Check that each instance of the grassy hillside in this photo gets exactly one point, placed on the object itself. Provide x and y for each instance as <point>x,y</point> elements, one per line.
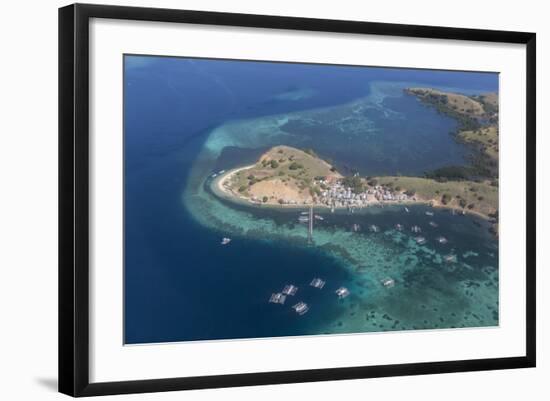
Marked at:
<point>283,173</point>
<point>476,197</point>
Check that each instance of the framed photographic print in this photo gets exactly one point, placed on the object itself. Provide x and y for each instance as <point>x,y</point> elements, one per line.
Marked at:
<point>249,199</point>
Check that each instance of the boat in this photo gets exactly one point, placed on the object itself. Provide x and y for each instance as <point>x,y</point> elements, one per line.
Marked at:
<point>301,308</point>
<point>388,282</point>
<point>317,283</point>
<point>303,219</point>
<point>221,172</point>
<point>225,241</point>
<point>420,240</point>
<point>277,298</point>
<point>442,240</point>
<point>406,209</point>
<point>428,213</point>
<point>214,175</point>
<point>290,289</point>
<point>319,217</point>
<point>399,227</point>
<point>433,224</point>
<point>332,209</point>
<point>450,258</point>
<point>304,213</point>
<point>374,228</point>
<point>356,227</point>
<point>416,229</point>
<point>342,292</point>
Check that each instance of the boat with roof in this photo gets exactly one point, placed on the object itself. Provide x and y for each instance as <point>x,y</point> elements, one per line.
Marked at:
<point>317,283</point>
<point>342,292</point>
<point>225,241</point>
<point>301,308</point>
<point>290,289</point>
<point>277,298</point>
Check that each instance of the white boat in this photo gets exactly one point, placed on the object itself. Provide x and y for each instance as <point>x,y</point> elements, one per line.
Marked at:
<point>342,292</point>
<point>221,172</point>
<point>420,240</point>
<point>406,209</point>
<point>442,240</point>
<point>301,308</point>
<point>399,227</point>
<point>388,282</point>
<point>225,241</point>
<point>429,213</point>
<point>277,298</point>
<point>319,217</point>
<point>290,289</point>
<point>356,227</point>
<point>214,175</point>
<point>374,228</point>
<point>450,258</point>
<point>433,224</point>
<point>303,219</point>
<point>416,229</point>
<point>317,283</point>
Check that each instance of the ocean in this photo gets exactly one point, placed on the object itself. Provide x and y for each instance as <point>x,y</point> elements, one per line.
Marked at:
<point>186,118</point>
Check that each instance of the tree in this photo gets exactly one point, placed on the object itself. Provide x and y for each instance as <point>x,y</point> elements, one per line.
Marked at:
<point>265,199</point>
<point>355,183</point>
<point>242,188</point>
<point>446,198</point>
<point>274,164</point>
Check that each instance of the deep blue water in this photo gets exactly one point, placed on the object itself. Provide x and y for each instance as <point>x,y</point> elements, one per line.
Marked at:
<point>176,287</point>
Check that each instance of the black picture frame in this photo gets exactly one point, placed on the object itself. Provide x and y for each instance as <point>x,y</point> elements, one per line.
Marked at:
<point>74,198</point>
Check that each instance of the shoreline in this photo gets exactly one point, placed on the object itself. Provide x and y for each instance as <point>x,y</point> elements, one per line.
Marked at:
<point>218,189</point>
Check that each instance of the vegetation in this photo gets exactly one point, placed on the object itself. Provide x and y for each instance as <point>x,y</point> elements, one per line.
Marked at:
<point>282,173</point>
<point>355,183</point>
<point>459,194</point>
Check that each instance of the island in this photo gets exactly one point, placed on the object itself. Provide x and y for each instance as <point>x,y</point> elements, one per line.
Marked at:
<point>285,176</point>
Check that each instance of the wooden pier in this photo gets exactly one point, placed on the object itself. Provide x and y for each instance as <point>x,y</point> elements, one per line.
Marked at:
<point>310,228</point>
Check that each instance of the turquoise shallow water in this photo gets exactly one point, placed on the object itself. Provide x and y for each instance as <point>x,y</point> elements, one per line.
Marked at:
<point>186,118</point>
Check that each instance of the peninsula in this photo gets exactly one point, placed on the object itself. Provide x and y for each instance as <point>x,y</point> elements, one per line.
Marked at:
<point>288,177</point>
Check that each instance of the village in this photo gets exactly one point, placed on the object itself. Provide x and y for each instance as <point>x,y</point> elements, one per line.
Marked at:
<point>337,195</point>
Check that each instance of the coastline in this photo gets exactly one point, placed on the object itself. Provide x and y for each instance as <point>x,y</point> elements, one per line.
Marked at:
<point>218,189</point>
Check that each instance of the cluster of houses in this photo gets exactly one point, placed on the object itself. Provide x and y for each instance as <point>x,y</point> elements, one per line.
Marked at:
<point>338,195</point>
